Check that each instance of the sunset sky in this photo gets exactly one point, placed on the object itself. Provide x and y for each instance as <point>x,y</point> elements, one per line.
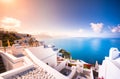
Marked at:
<point>62,17</point>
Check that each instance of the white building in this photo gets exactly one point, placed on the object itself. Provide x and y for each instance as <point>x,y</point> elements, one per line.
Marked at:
<point>110,68</point>
<point>37,63</point>
<point>47,55</point>
<point>29,66</point>
<point>17,50</point>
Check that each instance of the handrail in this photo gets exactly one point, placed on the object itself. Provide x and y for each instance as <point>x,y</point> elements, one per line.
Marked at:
<point>61,65</point>
<point>16,71</point>
<point>12,58</point>
<point>53,72</point>
<point>9,73</point>
<point>72,72</point>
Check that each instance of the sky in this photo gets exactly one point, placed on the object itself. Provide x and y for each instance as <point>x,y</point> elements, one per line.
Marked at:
<point>86,18</point>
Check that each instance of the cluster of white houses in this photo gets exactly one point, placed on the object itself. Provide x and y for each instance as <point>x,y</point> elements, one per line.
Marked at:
<point>43,62</point>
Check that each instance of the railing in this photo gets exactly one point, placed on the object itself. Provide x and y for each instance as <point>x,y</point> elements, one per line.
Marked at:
<point>27,65</point>
<point>61,65</point>
<point>72,72</point>
<point>11,58</point>
<point>91,73</point>
<point>15,71</point>
<point>50,70</point>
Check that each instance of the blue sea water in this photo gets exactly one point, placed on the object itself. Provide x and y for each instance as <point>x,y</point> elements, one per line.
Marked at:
<point>89,50</point>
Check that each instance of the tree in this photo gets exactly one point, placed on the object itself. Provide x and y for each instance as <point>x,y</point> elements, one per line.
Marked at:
<point>65,53</point>
<point>31,42</point>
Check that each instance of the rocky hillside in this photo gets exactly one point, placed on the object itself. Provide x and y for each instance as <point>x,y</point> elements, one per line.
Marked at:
<point>11,36</point>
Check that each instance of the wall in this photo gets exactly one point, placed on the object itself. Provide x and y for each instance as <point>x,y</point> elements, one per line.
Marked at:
<point>13,72</point>
<point>72,72</point>
<point>112,72</point>
<point>11,62</point>
<point>61,65</point>
<point>47,55</point>
<point>52,71</point>
<point>108,70</point>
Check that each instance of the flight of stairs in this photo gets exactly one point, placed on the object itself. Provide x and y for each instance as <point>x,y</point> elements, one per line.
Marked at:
<point>2,67</point>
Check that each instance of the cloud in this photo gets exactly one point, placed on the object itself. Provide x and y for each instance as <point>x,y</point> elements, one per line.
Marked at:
<point>9,22</point>
<point>97,27</point>
<point>115,29</point>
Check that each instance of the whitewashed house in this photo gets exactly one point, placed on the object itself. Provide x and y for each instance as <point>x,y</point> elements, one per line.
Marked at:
<point>110,68</point>
<point>45,54</point>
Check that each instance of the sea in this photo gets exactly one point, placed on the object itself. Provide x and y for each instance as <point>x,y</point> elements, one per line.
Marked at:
<point>89,50</point>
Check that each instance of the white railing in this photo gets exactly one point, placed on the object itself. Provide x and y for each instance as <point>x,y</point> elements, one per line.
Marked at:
<point>61,65</point>
<point>72,72</point>
<point>11,58</point>
<point>27,64</point>
<point>50,70</point>
<point>91,73</point>
<point>16,71</point>
<point>11,62</point>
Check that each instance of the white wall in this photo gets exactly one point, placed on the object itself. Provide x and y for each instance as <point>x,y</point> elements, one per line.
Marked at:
<point>108,70</point>
<point>113,72</point>
<point>72,72</point>
<point>47,55</point>
<point>61,65</point>
<point>113,53</point>
<point>16,49</point>
<point>102,69</point>
<point>50,70</point>
<point>11,62</point>
<point>23,68</point>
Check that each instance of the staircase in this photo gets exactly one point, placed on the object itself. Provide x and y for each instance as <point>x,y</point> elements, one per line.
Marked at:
<point>2,67</point>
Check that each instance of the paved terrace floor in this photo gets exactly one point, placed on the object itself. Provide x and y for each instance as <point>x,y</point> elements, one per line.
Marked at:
<point>34,73</point>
